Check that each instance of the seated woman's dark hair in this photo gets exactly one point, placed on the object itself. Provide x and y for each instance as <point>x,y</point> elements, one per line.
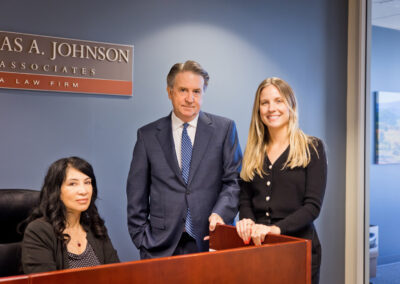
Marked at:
<point>52,208</point>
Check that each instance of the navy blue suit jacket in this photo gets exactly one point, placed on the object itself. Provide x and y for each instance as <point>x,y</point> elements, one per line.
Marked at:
<point>156,191</point>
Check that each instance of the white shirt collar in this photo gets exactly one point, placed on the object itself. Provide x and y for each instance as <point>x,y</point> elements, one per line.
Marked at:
<point>177,122</point>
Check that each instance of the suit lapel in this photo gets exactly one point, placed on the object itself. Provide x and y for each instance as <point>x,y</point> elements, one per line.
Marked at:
<point>204,133</point>
<point>166,141</point>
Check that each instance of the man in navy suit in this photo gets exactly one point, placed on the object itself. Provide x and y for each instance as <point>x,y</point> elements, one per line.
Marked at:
<point>184,173</point>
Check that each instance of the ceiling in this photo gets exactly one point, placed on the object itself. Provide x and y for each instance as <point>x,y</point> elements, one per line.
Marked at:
<point>386,13</point>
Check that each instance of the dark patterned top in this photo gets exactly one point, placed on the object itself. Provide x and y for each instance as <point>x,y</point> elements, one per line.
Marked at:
<point>85,259</point>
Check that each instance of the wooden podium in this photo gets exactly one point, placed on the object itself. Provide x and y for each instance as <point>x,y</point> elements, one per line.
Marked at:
<point>281,259</point>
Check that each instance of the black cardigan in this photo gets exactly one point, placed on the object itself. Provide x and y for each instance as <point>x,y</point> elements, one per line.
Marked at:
<point>42,251</point>
<point>288,198</point>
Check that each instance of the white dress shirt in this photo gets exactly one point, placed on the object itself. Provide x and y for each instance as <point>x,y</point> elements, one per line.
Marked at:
<point>177,128</point>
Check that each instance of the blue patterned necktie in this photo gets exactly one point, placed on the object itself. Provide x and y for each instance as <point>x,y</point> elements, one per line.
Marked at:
<point>186,157</point>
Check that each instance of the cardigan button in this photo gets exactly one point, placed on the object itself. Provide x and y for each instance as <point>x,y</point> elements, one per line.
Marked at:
<point>268,183</point>
<point>270,167</point>
<point>267,198</point>
<point>267,214</point>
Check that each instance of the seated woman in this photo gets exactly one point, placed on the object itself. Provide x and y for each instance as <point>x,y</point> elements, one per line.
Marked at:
<point>283,174</point>
<point>65,230</point>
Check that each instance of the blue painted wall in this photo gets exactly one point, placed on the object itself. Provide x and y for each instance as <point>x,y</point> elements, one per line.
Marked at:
<point>385,179</point>
<point>239,42</point>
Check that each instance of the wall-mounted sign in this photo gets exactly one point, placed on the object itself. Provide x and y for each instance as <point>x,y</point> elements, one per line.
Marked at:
<point>45,63</point>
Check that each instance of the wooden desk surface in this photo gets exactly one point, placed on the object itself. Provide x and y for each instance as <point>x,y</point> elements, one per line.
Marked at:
<point>280,260</point>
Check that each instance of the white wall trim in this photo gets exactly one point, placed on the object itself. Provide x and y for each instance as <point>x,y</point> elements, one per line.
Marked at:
<point>355,246</point>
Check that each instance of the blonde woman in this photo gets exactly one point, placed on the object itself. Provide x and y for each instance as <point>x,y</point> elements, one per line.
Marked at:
<point>283,174</point>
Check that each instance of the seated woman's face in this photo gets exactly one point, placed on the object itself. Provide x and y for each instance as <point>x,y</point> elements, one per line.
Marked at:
<point>76,191</point>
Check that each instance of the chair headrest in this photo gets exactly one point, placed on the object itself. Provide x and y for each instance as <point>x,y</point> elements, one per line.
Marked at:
<point>15,206</point>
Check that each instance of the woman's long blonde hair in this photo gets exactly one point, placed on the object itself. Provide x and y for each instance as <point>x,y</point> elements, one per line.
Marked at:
<point>256,148</point>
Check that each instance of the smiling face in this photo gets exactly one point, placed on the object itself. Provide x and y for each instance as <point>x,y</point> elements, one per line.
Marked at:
<point>274,111</point>
<point>76,191</point>
<point>186,95</point>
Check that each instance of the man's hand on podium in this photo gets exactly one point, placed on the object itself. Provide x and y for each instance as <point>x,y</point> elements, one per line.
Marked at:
<point>214,219</point>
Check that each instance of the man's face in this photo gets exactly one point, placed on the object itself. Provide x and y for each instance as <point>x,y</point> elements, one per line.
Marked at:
<point>186,95</point>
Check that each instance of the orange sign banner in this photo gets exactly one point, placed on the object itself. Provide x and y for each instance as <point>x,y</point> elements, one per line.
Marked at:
<point>64,84</point>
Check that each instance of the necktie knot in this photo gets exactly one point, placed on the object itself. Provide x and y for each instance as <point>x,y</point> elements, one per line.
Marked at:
<point>185,125</point>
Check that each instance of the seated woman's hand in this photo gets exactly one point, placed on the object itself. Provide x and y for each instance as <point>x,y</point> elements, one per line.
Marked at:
<point>259,232</point>
<point>244,229</point>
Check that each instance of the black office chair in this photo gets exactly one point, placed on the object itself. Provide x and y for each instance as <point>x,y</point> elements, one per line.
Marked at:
<point>15,206</point>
